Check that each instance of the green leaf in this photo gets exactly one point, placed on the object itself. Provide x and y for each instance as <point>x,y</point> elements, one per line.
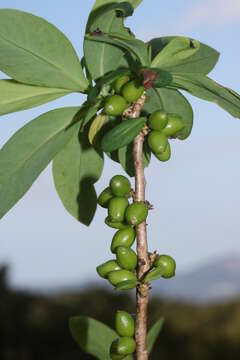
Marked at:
<point>16,96</point>
<point>92,336</point>
<point>89,111</point>
<point>95,127</point>
<point>153,334</point>
<point>154,274</point>
<point>75,170</point>
<point>122,134</point>
<point>99,3</point>
<point>177,50</point>
<point>102,58</point>
<point>171,101</point>
<point>125,157</point>
<point>35,52</point>
<point>135,47</point>
<point>127,285</point>
<point>207,89</point>
<point>202,62</point>
<point>29,151</point>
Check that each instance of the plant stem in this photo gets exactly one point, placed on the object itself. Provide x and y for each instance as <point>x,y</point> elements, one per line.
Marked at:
<point>142,247</point>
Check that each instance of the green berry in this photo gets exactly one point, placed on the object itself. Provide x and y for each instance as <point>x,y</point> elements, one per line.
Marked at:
<point>122,80</point>
<point>104,269</point>
<point>116,277</point>
<point>120,185</point>
<point>165,156</point>
<point>116,225</point>
<point>115,105</point>
<point>132,91</point>
<point>117,357</point>
<point>157,141</point>
<point>174,125</point>
<point>123,346</point>
<point>169,263</point>
<point>136,213</point>
<point>124,237</point>
<point>124,324</point>
<point>126,258</point>
<point>158,120</point>
<point>104,197</point>
<point>117,208</point>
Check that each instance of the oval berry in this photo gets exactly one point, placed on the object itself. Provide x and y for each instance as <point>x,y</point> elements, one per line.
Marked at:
<point>116,225</point>
<point>136,213</point>
<point>124,324</point>
<point>116,277</point>
<point>168,263</point>
<point>120,185</point>
<point>104,269</point>
<point>166,155</point>
<point>122,80</point>
<point>104,198</point>
<point>115,105</point>
<point>174,125</point>
<point>158,120</point>
<point>116,209</point>
<point>157,141</point>
<point>132,91</point>
<point>123,346</point>
<point>126,258</point>
<point>124,237</point>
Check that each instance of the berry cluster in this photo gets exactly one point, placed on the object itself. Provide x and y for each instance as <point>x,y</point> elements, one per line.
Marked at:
<point>124,217</point>
<point>163,126</point>
<point>125,344</point>
<point>126,92</point>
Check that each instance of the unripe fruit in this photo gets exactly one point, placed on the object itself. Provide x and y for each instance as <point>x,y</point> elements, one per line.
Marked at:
<point>126,258</point>
<point>132,91</point>
<point>122,80</point>
<point>165,156</point>
<point>123,346</point>
<point>124,324</point>
<point>174,125</point>
<point>124,237</point>
<point>117,208</point>
<point>158,120</point>
<point>117,357</point>
<point>104,269</point>
<point>169,263</point>
<point>120,185</point>
<point>104,197</point>
<point>136,213</point>
<point>116,225</point>
<point>157,141</point>
<point>115,105</point>
<point>116,277</point>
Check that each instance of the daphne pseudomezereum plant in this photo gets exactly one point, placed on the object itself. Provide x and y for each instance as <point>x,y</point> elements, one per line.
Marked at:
<point>134,107</point>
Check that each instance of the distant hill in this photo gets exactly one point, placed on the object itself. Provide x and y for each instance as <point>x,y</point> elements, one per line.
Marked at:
<point>213,281</point>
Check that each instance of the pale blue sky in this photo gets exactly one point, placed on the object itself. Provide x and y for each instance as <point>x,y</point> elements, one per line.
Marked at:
<point>195,195</point>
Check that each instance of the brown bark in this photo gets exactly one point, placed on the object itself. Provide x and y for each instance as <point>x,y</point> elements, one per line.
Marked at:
<point>142,247</point>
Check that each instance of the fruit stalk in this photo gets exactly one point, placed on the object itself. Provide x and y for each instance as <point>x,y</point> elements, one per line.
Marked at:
<point>141,231</point>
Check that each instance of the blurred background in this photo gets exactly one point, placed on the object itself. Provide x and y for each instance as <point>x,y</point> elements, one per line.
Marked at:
<point>48,260</point>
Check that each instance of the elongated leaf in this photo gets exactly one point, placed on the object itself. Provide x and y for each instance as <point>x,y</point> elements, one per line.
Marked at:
<point>153,334</point>
<point>75,170</point>
<point>127,285</point>
<point>177,50</point>
<point>35,52</point>
<point>99,3</point>
<point>154,274</point>
<point>102,58</point>
<point>96,126</point>
<point>207,89</point>
<point>125,157</point>
<point>171,101</point>
<point>202,62</point>
<point>134,46</point>
<point>92,336</point>
<point>30,150</point>
<point>122,134</point>
<point>15,96</point>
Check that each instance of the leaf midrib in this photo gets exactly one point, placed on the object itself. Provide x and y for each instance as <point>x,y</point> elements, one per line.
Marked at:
<point>41,58</point>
